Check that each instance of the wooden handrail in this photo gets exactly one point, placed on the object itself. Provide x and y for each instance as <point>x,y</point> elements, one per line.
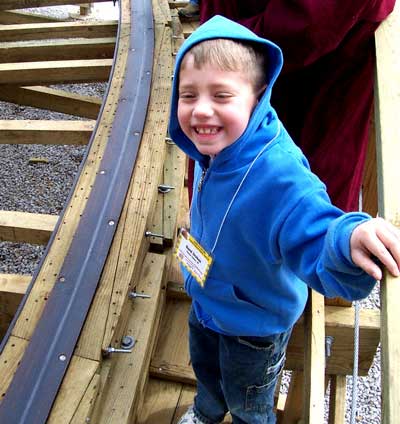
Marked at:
<point>387,106</point>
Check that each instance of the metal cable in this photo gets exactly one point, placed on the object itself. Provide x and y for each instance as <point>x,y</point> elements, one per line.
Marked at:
<point>354,392</point>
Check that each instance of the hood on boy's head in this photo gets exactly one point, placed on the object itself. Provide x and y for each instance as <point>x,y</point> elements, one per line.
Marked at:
<point>220,27</point>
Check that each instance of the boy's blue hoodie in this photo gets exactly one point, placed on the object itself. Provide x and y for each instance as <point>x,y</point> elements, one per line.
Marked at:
<point>265,217</point>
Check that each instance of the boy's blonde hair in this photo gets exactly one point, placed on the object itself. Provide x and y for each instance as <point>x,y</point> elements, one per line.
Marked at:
<point>231,55</point>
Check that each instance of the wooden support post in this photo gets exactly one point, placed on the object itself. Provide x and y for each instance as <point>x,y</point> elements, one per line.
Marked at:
<point>314,359</point>
<point>387,106</point>
<point>293,412</point>
<point>337,400</point>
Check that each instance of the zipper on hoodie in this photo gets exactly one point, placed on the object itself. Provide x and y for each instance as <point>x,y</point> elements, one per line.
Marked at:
<point>201,181</point>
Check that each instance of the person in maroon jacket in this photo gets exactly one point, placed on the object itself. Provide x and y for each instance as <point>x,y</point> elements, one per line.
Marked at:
<point>325,93</point>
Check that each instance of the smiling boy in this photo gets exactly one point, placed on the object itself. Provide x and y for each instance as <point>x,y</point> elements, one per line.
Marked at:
<point>263,229</point>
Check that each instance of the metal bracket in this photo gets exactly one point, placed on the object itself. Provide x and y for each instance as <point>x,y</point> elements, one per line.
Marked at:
<point>169,140</point>
<point>164,188</point>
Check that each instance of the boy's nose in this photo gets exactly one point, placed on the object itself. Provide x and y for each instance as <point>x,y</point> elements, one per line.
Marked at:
<point>203,108</point>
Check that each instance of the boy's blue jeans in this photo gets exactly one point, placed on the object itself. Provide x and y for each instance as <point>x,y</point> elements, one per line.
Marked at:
<point>236,374</point>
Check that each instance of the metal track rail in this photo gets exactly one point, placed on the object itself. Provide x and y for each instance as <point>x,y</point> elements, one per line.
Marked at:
<point>34,387</point>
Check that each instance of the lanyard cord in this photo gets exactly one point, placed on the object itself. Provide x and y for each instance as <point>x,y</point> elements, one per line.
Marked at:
<point>240,185</point>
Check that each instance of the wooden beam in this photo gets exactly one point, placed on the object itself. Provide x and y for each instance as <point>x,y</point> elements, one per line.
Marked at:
<point>8,17</point>
<point>33,51</point>
<point>339,324</point>
<point>26,227</point>
<point>45,132</point>
<point>46,31</point>
<point>314,359</point>
<point>337,402</point>
<point>52,99</point>
<point>55,72</point>
<point>21,4</point>
<point>177,3</point>
<point>12,289</point>
<point>387,105</point>
<point>172,357</point>
<point>14,283</point>
<point>118,399</point>
<point>293,411</point>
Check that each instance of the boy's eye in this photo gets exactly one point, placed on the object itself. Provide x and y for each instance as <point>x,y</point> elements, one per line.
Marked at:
<point>223,95</point>
<point>186,95</point>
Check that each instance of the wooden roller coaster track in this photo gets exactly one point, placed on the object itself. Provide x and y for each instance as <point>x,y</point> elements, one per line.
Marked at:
<point>100,332</point>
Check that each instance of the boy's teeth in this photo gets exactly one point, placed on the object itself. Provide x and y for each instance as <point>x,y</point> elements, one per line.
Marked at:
<point>207,130</point>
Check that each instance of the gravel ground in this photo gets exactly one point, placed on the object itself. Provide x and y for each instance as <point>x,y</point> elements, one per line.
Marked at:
<point>44,188</point>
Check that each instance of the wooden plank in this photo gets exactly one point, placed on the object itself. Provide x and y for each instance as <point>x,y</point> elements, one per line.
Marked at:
<point>45,132</point>
<point>8,17</point>
<point>387,40</point>
<point>156,226</point>
<point>176,291</point>
<point>129,246</point>
<point>370,178</point>
<point>46,31</point>
<point>52,99</point>
<point>173,372</point>
<point>78,382</point>
<point>24,227</point>
<point>50,268</point>
<point>34,51</point>
<point>314,359</point>
<point>189,28</point>
<point>55,72</point>
<point>118,399</point>
<point>14,283</point>
<point>172,351</point>
<point>293,410</point>
<point>10,358</point>
<point>177,32</point>
<point>174,173</point>
<point>161,12</point>
<point>21,4</point>
<point>12,289</point>
<point>177,3</point>
<point>337,402</point>
<point>85,408</point>
<point>160,402</point>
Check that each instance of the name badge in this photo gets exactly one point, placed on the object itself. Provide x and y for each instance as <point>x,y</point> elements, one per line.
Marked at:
<point>192,256</point>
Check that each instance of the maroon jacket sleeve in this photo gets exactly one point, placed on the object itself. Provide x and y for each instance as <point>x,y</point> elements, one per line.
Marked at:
<point>325,92</point>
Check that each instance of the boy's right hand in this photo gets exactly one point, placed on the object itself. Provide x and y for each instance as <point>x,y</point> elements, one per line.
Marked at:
<point>380,239</point>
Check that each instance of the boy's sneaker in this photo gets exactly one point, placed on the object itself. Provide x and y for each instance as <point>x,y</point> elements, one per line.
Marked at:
<point>189,13</point>
<point>190,418</point>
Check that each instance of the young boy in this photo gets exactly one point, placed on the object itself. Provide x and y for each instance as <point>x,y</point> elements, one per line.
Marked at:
<point>262,226</point>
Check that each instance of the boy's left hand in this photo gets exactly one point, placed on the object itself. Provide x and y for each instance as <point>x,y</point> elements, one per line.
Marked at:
<point>376,238</point>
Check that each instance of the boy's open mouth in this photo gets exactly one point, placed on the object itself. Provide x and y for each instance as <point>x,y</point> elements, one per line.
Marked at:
<point>206,131</point>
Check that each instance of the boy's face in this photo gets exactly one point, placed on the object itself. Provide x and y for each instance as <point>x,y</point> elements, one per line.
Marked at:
<point>214,106</point>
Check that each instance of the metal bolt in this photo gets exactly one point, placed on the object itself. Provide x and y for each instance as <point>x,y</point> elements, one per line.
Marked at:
<point>127,342</point>
<point>150,234</point>
<point>110,349</point>
<point>134,295</point>
<point>164,188</point>
<point>328,345</point>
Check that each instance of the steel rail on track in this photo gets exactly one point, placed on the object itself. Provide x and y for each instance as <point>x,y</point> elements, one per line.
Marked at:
<point>34,387</point>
